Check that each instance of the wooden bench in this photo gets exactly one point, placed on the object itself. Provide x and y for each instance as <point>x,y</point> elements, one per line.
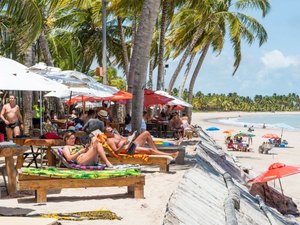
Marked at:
<point>171,149</point>
<point>135,184</point>
<point>162,161</point>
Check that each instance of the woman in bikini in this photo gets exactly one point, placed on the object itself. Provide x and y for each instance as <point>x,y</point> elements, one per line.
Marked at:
<point>88,155</point>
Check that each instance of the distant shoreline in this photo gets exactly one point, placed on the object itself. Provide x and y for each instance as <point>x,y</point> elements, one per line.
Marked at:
<point>215,117</point>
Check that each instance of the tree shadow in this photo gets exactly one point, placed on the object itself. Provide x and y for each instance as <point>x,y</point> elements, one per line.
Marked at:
<point>14,211</point>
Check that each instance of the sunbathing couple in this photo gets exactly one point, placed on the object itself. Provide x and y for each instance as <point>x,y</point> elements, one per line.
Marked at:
<point>89,155</point>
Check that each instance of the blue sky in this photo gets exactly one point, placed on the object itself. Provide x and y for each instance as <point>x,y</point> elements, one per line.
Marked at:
<point>272,68</point>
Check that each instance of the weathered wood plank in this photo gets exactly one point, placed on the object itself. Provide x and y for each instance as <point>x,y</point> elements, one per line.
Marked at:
<point>157,161</point>
<point>41,184</point>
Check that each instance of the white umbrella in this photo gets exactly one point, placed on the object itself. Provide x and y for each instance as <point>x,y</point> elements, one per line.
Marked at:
<point>78,91</point>
<point>72,78</point>
<point>176,101</point>
<point>15,76</point>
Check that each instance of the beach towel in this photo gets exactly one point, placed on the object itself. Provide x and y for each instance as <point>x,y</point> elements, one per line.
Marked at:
<point>102,139</point>
<point>79,174</point>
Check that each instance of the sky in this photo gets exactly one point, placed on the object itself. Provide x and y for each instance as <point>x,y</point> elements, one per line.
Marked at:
<point>272,68</point>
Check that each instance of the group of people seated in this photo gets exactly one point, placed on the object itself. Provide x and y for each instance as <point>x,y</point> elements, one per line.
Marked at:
<point>90,153</point>
<point>171,120</point>
<point>238,145</point>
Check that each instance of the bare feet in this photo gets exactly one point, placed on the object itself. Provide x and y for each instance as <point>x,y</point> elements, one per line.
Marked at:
<point>108,164</point>
<point>175,154</point>
<point>178,142</point>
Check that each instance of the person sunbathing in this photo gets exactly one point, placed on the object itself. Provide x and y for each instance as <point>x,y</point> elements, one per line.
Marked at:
<point>120,144</point>
<point>88,155</point>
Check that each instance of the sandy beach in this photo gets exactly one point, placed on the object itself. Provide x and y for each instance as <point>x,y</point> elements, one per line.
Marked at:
<point>258,163</point>
<point>160,186</point>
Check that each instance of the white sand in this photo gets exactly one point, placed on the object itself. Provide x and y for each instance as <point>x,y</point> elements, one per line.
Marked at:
<point>260,162</point>
<point>159,186</point>
<point>151,210</point>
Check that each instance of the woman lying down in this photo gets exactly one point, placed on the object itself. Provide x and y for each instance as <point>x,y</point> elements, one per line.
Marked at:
<point>84,155</point>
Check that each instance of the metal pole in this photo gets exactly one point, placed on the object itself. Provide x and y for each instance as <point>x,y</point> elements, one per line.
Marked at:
<point>104,41</point>
<point>281,190</point>
<point>41,114</point>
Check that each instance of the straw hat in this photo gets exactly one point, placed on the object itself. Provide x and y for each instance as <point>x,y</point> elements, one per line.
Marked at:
<point>103,113</point>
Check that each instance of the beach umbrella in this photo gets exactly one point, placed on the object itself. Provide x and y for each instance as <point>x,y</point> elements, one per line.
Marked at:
<point>276,171</point>
<point>153,98</point>
<point>228,131</point>
<point>178,108</point>
<point>83,98</point>
<point>270,136</point>
<point>119,96</point>
<point>16,76</point>
<point>175,100</point>
<point>240,134</point>
<point>212,129</point>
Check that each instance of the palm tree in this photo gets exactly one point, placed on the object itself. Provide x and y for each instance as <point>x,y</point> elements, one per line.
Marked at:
<point>140,58</point>
<point>213,17</point>
<point>185,75</point>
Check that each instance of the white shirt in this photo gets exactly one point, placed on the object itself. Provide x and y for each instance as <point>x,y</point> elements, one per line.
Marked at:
<point>143,125</point>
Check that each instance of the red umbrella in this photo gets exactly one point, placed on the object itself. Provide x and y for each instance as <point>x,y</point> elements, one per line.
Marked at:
<point>119,96</point>
<point>83,98</point>
<point>271,136</point>
<point>178,107</point>
<point>276,171</point>
<point>152,98</point>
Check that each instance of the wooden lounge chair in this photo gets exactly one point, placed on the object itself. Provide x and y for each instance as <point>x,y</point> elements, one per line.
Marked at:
<point>174,148</point>
<point>162,161</point>
<point>42,183</point>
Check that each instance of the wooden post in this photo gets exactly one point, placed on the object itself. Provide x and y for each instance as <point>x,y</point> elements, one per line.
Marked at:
<point>41,195</point>
<point>11,175</point>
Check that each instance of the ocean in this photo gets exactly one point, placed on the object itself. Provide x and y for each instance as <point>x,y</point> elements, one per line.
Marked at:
<point>275,121</point>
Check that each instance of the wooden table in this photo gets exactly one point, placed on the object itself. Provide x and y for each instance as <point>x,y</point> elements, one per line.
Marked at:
<point>9,151</point>
<point>41,142</point>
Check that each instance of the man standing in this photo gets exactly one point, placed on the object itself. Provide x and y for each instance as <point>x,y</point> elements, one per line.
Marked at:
<point>12,118</point>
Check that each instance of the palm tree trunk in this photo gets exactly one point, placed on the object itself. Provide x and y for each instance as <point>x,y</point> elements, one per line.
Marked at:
<point>134,29</point>
<point>183,59</point>
<point>49,62</point>
<point>164,20</point>
<point>27,97</point>
<point>124,47</point>
<point>188,67</point>
<point>131,78</point>
<point>150,77</point>
<point>140,59</point>
<point>104,48</point>
<point>45,49</point>
<point>195,75</point>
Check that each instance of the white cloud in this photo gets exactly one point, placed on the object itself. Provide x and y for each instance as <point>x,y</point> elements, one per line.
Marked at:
<point>275,60</point>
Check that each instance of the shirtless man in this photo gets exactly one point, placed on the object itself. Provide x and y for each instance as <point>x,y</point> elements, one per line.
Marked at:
<point>120,144</point>
<point>11,116</point>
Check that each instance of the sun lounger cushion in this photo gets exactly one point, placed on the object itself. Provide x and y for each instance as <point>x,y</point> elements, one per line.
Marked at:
<point>79,174</point>
<point>71,165</point>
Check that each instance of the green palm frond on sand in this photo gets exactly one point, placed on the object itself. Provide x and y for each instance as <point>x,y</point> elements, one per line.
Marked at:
<point>101,214</point>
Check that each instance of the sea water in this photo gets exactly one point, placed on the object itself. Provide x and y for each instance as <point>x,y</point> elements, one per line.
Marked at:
<point>275,121</point>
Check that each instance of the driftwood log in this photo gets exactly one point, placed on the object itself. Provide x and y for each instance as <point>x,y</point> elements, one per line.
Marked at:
<point>274,198</point>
